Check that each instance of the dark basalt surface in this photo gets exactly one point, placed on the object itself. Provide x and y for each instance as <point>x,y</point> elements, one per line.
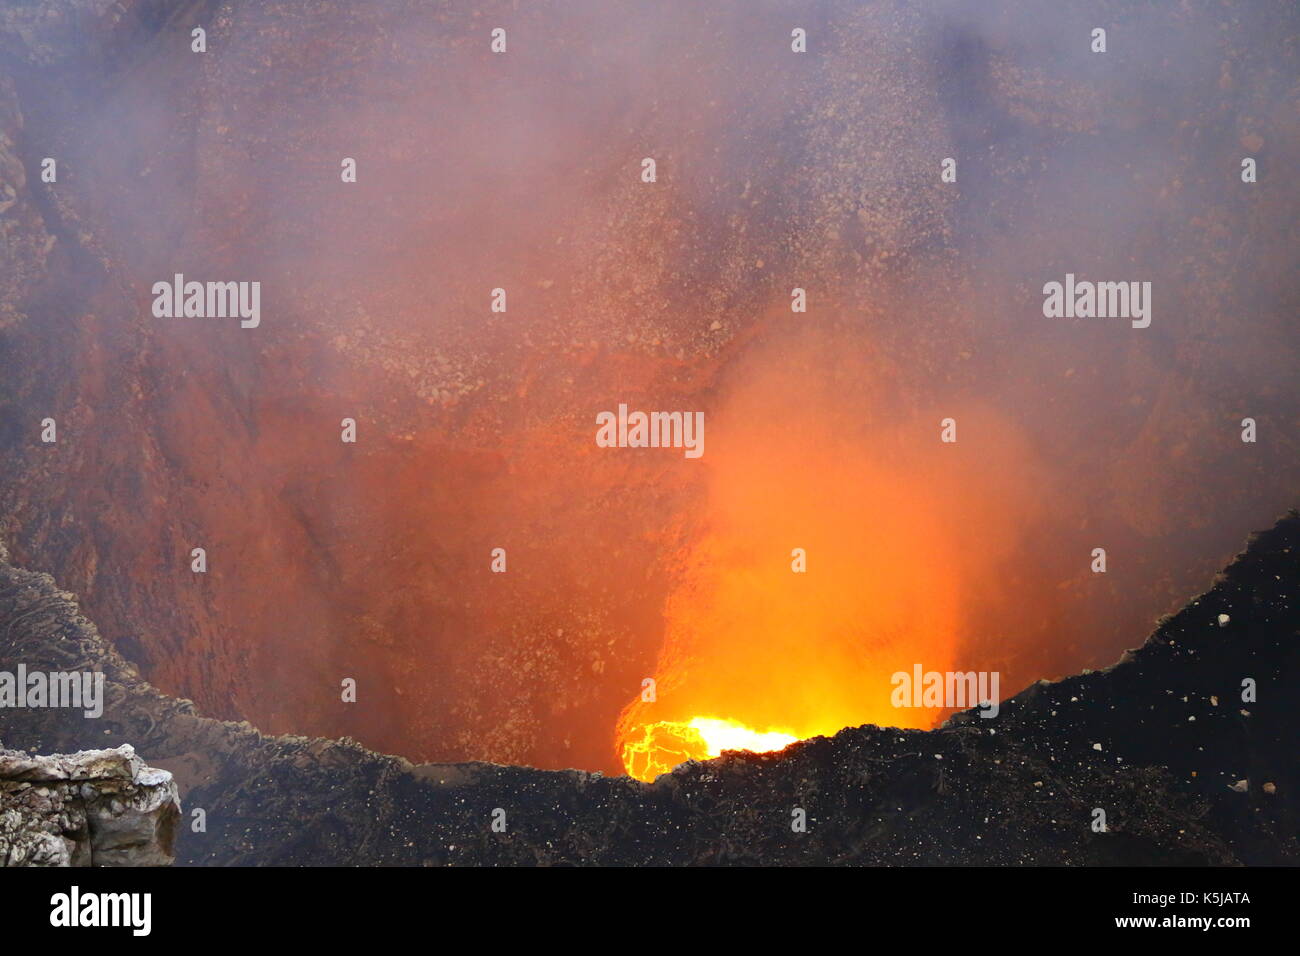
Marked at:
<point>1161,741</point>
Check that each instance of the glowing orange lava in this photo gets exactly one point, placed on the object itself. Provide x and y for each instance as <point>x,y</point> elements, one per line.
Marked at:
<point>667,743</point>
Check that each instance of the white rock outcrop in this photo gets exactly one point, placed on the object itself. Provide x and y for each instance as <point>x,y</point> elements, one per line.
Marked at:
<point>92,808</point>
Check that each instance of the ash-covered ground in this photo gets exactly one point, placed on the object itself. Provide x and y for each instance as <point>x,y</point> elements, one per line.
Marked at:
<point>1186,771</point>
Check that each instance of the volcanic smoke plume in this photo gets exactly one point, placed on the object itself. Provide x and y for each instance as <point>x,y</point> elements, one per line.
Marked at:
<point>524,172</point>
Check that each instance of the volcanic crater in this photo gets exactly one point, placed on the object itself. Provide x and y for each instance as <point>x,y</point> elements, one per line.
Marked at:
<point>475,429</point>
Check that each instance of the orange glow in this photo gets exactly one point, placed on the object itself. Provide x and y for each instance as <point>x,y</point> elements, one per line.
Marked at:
<point>667,743</point>
<point>897,535</point>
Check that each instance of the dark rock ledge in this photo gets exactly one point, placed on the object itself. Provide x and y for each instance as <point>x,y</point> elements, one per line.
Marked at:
<point>1186,772</point>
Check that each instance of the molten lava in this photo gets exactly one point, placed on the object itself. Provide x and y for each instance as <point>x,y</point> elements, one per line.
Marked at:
<point>667,743</point>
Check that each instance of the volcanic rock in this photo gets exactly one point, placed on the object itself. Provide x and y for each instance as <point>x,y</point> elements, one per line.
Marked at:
<point>91,808</point>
